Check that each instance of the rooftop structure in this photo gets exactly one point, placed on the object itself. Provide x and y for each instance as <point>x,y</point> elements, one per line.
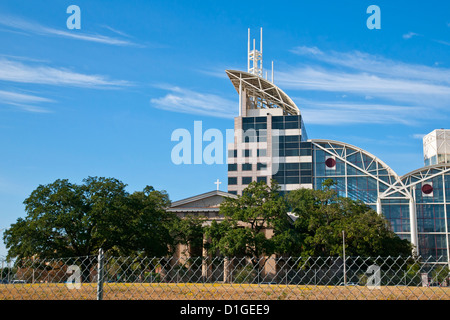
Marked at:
<point>271,143</point>
<point>436,147</point>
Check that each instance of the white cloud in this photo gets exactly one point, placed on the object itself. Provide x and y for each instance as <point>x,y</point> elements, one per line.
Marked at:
<point>409,35</point>
<point>121,33</point>
<point>18,23</point>
<point>399,92</point>
<point>23,101</point>
<point>376,89</point>
<point>442,42</point>
<point>188,101</point>
<point>31,71</point>
<point>363,62</point>
<point>419,136</point>
<point>20,97</point>
<point>304,50</point>
<point>364,84</point>
<point>343,113</point>
<point>16,71</point>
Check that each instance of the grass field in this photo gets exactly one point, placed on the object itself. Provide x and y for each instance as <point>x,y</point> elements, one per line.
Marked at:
<point>217,291</point>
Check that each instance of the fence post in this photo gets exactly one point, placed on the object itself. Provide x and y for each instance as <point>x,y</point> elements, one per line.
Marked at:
<point>226,270</point>
<point>343,248</point>
<point>100,275</point>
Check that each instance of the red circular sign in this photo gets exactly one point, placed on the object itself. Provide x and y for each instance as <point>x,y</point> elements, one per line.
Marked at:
<point>330,163</point>
<point>427,188</point>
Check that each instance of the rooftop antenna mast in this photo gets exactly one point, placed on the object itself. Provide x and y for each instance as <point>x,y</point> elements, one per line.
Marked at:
<point>255,58</point>
<point>255,61</point>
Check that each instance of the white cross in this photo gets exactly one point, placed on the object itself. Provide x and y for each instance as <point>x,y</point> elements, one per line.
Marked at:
<point>217,183</point>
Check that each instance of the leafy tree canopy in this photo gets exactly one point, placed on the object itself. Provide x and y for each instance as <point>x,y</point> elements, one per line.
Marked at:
<point>315,227</point>
<point>321,216</point>
<point>66,219</point>
<point>260,208</point>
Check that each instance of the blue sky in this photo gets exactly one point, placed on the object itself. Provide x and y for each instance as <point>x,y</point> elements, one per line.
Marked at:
<point>104,100</point>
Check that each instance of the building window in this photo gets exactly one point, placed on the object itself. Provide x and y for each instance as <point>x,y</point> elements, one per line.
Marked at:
<point>246,167</point>
<point>259,179</point>
<point>292,152</point>
<point>305,179</point>
<point>246,180</point>
<point>305,165</point>
<point>232,180</point>
<point>261,166</point>
<point>232,167</point>
<point>278,179</point>
<point>286,122</point>
<point>232,153</point>
<point>254,129</point>
<point>262,152</point>
<point>292,180</point>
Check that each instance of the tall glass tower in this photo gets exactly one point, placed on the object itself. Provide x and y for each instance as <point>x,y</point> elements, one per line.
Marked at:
<point>270,142</point>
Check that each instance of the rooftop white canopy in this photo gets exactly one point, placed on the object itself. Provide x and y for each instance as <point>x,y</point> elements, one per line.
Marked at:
<point>262,93</point>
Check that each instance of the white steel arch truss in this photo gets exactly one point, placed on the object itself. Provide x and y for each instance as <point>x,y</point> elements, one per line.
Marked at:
<point>423,175</point>
<point>263,93</point>
<point>373,169</point>
<point>419,176</point>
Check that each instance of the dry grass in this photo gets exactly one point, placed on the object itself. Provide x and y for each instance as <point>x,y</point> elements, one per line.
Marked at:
<point>217,291</point>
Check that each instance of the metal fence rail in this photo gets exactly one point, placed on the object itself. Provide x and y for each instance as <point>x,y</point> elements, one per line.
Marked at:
<point>108,277</point>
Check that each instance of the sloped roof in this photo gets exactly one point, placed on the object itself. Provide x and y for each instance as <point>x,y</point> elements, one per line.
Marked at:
<point>270,95</point>
<point>209,201</point>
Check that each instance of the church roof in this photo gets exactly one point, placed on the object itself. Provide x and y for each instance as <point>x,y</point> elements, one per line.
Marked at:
<point>209,201</point>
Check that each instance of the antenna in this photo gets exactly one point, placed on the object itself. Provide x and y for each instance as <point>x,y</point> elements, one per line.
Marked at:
<point>248,52</point>
<point>272,71</point>
<point>254,63</point>
<point>260,48</point>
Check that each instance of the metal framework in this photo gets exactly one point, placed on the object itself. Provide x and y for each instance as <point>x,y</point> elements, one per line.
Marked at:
<point>254,91</point>
<point>395,187</point>
<point>255,57</point>
<point>372,169</point>
<point>259,93</point>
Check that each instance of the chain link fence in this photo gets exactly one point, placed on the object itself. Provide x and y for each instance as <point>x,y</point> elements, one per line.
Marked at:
<point>286,278</point>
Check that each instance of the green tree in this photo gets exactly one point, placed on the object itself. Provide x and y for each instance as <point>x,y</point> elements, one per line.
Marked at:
<point>144,226</point>
<point>321,216</point>
<point>247,217</point>
<point>65,220</point>
<point>441,274</point>
<point>189,231</point>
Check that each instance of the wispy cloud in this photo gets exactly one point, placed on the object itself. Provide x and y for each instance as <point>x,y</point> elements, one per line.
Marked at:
<point>120,33</point>
<point>361,62</point>
<point>192,102</point>
<point>340,113</point>
<point>17,71</point>
<point>442,42</point>
<point>23,101</point>
<point>20,24</point>
<point>409,35</point>
<point>303,50</point>
<point>419,135</point>
<point>364,84</point>
<point>399,92</point>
